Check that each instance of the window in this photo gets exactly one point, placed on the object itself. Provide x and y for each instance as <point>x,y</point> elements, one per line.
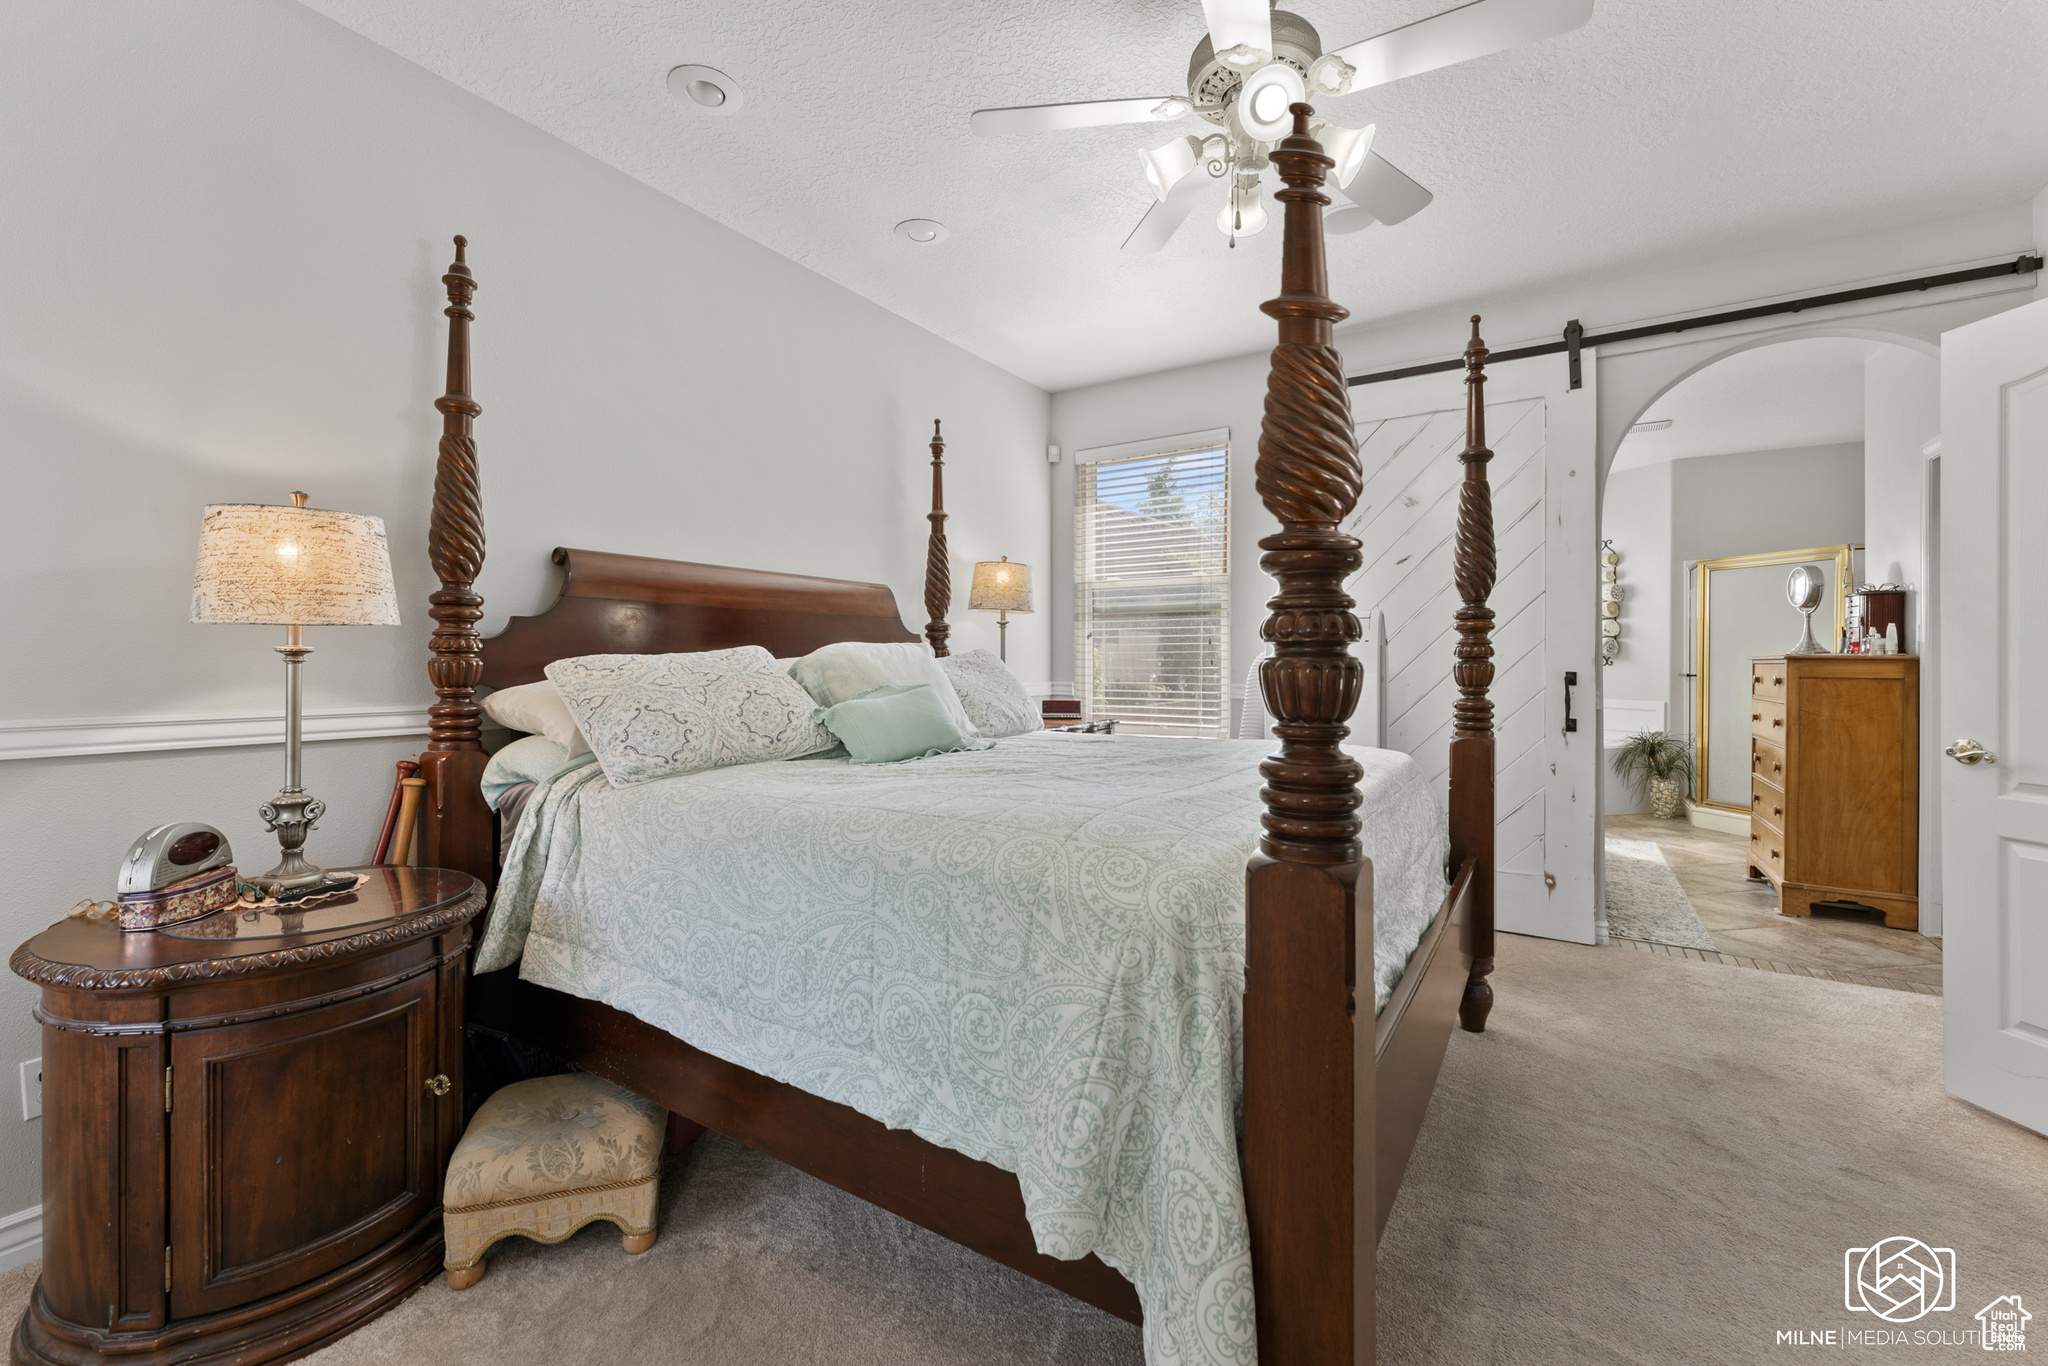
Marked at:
<point>1152,590</point>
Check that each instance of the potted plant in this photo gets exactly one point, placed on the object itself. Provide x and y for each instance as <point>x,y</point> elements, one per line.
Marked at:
<point>1661,763</point>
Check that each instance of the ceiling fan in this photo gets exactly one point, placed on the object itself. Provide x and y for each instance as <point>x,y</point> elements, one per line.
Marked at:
<point>1253,63</point>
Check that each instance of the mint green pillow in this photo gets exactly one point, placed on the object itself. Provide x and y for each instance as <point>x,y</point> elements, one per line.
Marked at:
<point>894,722</point>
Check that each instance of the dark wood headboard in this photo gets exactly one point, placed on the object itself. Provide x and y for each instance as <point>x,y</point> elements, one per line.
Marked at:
<point>631,604</point>
<point>609,604</point>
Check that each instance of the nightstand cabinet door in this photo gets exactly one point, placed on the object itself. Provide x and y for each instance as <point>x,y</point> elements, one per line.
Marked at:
<point>299,1143</point>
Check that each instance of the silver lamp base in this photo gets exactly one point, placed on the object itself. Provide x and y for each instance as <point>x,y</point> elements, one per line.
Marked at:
<point>291,813</point>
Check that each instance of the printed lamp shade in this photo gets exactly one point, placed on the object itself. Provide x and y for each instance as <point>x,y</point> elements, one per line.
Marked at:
<point>1000,586</point>
<point>292,566</point>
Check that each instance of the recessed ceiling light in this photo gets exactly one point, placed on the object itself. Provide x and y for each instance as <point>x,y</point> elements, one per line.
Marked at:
<point>1659,425</point>
<point>924,232</point>
<point>705,89</point>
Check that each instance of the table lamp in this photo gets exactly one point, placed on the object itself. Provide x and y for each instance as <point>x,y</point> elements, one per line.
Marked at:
<point>1002,588</point>
<point>292,567</point>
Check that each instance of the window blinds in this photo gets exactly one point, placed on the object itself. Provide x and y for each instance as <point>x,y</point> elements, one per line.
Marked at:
<point>1152,591</point>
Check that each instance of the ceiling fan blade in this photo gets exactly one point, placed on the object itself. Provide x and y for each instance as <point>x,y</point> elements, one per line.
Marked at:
<point>1459,35</point>
<point>1232,22</point>
<point>1057,118</point>
<point>1385,193</point>
<point>1165,216</point>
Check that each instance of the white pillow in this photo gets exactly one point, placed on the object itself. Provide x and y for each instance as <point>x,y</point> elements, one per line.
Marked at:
<point>537,709</point>
<point>844,671</point>
<point>649,716</point>
<point>993,698</point>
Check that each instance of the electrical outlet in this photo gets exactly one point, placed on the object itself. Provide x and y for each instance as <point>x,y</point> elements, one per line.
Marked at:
<point>32,1089</point>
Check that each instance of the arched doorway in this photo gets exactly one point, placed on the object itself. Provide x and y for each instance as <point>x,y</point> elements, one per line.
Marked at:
<point>1784,441</point>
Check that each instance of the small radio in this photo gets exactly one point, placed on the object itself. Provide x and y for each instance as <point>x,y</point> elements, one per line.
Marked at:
<point>175,873</point>
<point>172,853</point>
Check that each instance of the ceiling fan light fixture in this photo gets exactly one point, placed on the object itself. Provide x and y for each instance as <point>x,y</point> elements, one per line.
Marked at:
<point>1164,166</point>
<point>1347,147</point>
<point>705,89</point>
<point>1243,214</point>
<point>1330,74</point>
<point>1243,56</point>
<point>1263,102</point>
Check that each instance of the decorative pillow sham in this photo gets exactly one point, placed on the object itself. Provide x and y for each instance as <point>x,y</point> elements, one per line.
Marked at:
<point>537,709</point>
<point>889,724</point>
<point>649,716</point>
<point>529,759</point>
<point>995,702</point>
<point>840,672</point>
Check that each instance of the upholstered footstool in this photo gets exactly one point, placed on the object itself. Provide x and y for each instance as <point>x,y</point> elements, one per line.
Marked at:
<point>543,1158</point>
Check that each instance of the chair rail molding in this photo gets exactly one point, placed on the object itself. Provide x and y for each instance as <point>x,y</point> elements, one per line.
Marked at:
<point>64,738</point>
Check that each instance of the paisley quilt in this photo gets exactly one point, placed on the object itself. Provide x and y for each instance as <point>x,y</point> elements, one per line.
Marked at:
<point>1032,954</point>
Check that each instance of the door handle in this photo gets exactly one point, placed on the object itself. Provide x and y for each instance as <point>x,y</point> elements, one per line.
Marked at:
<point>1571,680</point>
<point>439,1085</point>
<point>1970,752</point>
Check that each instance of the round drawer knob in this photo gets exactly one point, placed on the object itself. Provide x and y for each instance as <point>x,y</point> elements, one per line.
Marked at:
<point>438,1084</point>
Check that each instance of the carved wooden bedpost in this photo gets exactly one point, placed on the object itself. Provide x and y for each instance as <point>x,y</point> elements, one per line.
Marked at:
<point>1308,1021</point>
<point>455,836</point>
<point>938,575</point>
<point>1472,736</point>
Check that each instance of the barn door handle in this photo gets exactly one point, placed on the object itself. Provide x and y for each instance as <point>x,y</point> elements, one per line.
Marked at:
<point>1571,680</point>
<point>1970,752</point>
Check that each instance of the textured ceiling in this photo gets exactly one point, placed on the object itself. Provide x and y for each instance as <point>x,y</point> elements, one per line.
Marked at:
<point>1663,132</point>
<point>1782,397</point>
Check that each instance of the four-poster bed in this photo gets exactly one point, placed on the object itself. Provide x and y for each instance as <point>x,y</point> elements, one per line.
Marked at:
<point>1333,1097</point>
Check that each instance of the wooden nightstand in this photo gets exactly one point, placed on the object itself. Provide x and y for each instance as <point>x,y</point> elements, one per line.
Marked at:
<point>246,1122</point>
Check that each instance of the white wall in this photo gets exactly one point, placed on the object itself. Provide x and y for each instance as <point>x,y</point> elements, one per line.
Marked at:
<point>1901,416</point>
<point>1635,514</point>
<point>225,225</point>
<point>1759,501</point>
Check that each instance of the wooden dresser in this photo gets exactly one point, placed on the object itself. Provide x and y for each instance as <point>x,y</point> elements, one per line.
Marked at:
<point>248,1117</point>
<point>1834,781</point>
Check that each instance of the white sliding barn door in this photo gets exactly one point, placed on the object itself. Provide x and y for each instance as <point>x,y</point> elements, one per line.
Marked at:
<point>1994,691</point>
<point>1545,620</point>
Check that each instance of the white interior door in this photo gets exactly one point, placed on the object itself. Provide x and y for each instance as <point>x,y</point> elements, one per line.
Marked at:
<point>1546,842</point>
<point>1994,684</point>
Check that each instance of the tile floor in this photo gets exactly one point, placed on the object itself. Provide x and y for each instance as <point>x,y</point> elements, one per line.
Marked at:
<point>1742,915</point>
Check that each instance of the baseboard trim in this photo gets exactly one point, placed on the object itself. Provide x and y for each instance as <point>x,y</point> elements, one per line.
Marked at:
<point>147,734</point>
<point>21,1238</point>
<point>1712,818</point>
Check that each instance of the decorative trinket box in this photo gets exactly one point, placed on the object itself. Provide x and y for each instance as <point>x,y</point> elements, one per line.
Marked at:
<point>187,900</point>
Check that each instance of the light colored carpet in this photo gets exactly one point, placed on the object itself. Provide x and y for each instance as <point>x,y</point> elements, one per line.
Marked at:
<point>1656,1160</point>
<point>1644,900</point>
<point>1644,1160</point>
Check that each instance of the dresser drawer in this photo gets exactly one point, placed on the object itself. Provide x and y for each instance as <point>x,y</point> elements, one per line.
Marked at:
<point>1767,720</point>
<point>1766,803</point>
<point>1767,679</point>
<point>1766,761</point>
<point>1767,852</point>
